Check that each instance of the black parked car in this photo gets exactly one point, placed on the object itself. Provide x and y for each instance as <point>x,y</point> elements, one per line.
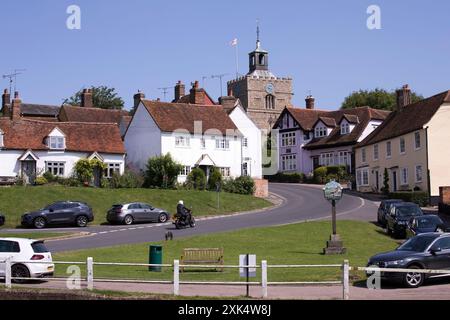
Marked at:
<point>425,251</point>
<point>60,213</point>
<point>425,224</point>
<point>2,220</point>
<point>384,209</point>
<point>399,216</point>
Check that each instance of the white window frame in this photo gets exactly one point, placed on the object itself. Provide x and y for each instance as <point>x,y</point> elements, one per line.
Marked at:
<point>361,176</point>
<point>402,144</point>
<point>404,177</point>
<point>345,128</point>
<point>56,168</point>
<point>327,159</point>
<point>185,171</point>
<point>245,142</point>
<point>111,168</point>
<point>363,155</point>
<point>376,152</point>
<point>222,144</point>
<point>56,143</point>
<point>388,149</point>
<point>320,132</point>
<point>417,134</point>
<point>344,158</point>
<point>182,141</point>
<point>203,142</point>
<point>289,162</point>
<point>416,173</point>
<point>225,171</point>
<point>288,139</point>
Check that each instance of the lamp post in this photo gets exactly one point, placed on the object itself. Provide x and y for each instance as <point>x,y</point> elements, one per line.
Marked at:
<point>333,193</point>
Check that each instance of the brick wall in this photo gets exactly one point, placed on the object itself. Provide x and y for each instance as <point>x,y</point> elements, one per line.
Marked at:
<point>261,188</point>
<point>444,195</point>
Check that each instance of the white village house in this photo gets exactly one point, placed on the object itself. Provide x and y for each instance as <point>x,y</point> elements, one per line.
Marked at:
<point>203,136</point>
<point>29,148</point>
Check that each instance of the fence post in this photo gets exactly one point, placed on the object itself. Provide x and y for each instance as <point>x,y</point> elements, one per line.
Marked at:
<point>90,273</point>
<point>264,278</point>
<point>176,277</point>
<point>345,280</point>
<point>8,273</point>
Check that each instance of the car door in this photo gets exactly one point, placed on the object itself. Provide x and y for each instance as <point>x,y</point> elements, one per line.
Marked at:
<point>61,213</point>
<point>149,213</point>
<point>390,218</point>
<point>136,212</point>
<point>441,259</point>
<point>8,249</point>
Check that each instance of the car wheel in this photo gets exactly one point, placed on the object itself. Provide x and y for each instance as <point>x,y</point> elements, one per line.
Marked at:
<point>20,271</point>
<point>128,220</point>
<point>413,279</point>
<point>39,223</point>
<point>163,218</point>
<point>82,221</point>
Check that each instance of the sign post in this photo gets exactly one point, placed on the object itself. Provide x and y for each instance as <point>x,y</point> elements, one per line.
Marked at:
<point>245,261</point>
<point>218,189</point>
<point>333,193</point>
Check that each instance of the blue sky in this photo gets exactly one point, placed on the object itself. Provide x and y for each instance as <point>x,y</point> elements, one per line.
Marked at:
<point>133,45</point>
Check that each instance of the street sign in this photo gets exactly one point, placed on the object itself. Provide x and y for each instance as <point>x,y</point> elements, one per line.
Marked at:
<point>333,191</point>
<point>250,262</point>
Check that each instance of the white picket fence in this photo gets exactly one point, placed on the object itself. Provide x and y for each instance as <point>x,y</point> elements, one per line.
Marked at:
<point>264,266</point>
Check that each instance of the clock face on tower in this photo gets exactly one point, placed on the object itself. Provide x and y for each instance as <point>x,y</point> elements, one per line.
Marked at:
<point>270,88</point>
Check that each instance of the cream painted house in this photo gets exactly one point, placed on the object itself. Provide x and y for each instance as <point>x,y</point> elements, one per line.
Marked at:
<point>413,144</point>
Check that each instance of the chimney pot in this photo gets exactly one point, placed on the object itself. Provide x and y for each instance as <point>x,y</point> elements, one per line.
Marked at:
<point>86,99</point>
<point>403,97</point>
<point>6,101</point>
<point>227,102</point>
<point>310,102</point>
<point>15,107</point>
<point>180,91</point>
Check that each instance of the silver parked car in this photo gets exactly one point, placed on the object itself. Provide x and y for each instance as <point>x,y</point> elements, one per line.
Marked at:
<point>136,212</point>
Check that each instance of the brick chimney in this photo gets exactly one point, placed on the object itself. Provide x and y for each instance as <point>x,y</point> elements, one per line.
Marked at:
<point>137,98</point>
<point>15,107</point>
<point>227,102</point>
<point>403,97</point>
<point>86,99</point>
<point>197,95</point>
<point>310,102</point>
<point>6,101</point>
<point>180,91</point>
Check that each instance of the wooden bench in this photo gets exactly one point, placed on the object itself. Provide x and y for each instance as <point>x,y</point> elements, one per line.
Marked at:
<point>204,256</point>
<point>7,181</point>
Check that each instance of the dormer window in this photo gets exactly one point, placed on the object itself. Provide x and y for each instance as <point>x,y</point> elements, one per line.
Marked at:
<point>345,128</point>
<point>56,143</point>
<point>320,132</point>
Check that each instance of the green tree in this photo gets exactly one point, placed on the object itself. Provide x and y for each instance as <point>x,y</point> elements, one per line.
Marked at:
<point>162,172</point>
<point>377,99</point>
<point>215,177</point>
<point>102,97</point>
<point>386,186</point>
<point>196,179</point>
<point>84,169</point>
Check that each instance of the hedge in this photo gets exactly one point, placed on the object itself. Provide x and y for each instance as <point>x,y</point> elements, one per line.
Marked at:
<point>281,177</point>
<point>421,198</point>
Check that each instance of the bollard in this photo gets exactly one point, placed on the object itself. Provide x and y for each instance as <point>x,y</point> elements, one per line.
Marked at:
<point>345,280</point>
<point>264,278</point>
<point>90,273</point>
<point>176,277</point>
<point>8,273</point>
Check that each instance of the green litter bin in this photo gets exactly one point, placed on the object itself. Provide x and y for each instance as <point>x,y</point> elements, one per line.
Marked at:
<point>155,257</point>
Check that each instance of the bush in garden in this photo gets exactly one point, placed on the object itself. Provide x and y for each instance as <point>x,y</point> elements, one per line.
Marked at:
<point>162,172</point>
<point>196,179</point>
<point>320,174</point>
<point>40,181</point>
<point>242,185</point>
<point>215,177</point>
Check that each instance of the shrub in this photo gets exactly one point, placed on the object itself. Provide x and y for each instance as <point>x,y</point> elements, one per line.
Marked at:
<point>281,177</point>
<point>339,171</point>
<point>50,177</point>
<point>421,198</point>
<point>162,172</point>
<point>242,185</point>
<point>196,179</point>
<point>320,174</point>
<point>386,187</point>
<point>84,169</point>
<point>40,181</point>
<point>215,177</point>
<point>129,180</point>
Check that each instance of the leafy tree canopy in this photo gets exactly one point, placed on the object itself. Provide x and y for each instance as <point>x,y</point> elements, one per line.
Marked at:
<point>102,97</point>
<point>377,99</point>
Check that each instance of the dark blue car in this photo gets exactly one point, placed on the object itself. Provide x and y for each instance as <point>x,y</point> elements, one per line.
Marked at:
<point>424,224</point>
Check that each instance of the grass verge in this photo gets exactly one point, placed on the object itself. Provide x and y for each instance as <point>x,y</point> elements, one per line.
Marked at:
<point>15,201</point>
<point>291,244</point>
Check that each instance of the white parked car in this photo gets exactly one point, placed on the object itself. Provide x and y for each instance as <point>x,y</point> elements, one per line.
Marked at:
<point>22,251</point>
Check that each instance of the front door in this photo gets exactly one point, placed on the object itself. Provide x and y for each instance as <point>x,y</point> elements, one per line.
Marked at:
<point>29,171</point>
<point>394,181</point>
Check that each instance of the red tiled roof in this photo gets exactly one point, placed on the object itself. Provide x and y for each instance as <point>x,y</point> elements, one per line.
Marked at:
<point>411,118</point>
<point>82,114</point>
<point>80,137</point>
<point>307,118</point>
<point>175,116</point>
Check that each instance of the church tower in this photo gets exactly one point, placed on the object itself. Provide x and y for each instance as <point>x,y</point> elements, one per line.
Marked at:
<point>263,95</point>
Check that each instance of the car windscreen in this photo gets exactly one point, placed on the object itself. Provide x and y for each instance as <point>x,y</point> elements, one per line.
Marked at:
<point>417,244</point>
<point>408,211</point>
<point>39,247</point>
<point>428,222</point>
